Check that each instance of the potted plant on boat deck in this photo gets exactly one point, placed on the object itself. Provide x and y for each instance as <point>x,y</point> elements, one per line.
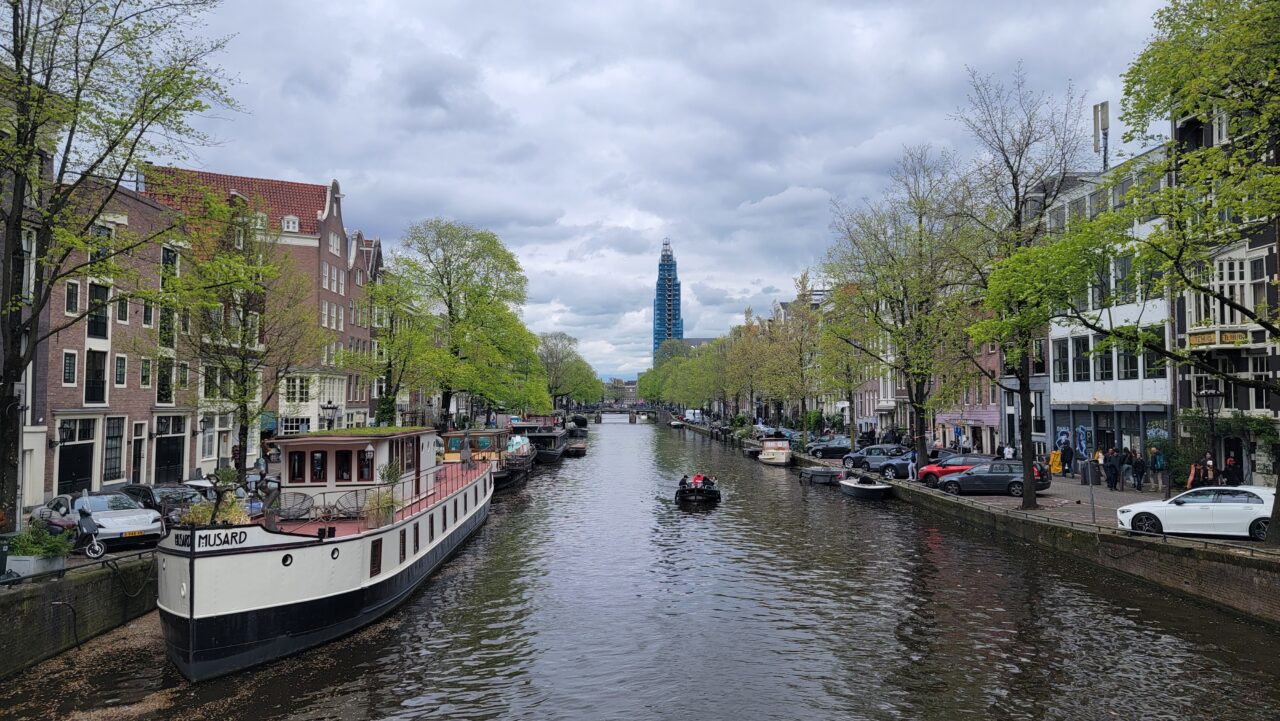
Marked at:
<point>35,550</point>
<point>381,504</point>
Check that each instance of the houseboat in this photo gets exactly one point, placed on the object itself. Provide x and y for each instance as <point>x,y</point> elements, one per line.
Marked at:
<point>547,436</point>
<point>338,548</point>
<point>775,451</point>
<point>516,463</point>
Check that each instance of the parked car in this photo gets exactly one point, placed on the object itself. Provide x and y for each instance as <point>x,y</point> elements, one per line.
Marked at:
<point>998,476</point>
<point>887,459</point>
<point>958,463</point>
<point>831,447</point>
<point>1219,511</point>
<point>170,499</point>
<point>252,503</point>
<point>937,454</point>
<point>120,519</point>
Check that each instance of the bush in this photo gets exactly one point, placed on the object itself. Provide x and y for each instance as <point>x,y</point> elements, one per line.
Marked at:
<point>229,511</point>
<point>35,540</point>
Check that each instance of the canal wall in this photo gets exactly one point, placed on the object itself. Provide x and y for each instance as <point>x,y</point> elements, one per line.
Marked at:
<point>45,618</point>
<point>1240,579</point>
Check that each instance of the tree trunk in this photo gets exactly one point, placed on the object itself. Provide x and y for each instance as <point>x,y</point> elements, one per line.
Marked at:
<point>10,449</point>
<point>446,397</point>
<point>1024,428</point>
<point>917,425</point>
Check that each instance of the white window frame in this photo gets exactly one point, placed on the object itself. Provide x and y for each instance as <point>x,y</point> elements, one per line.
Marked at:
<point>289,224</point>
<point>324,275</point>
<point>66,293</point>
<point>342,282</point>
<point>182,376</point>
<point>333,244</point>
<point>115,375</point>
<point>324,314</point>
<point>76,371</point>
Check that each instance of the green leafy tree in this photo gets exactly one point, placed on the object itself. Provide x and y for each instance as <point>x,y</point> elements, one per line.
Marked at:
<point>745,360</point>
<point>88,89</point>
<point>791,376</point>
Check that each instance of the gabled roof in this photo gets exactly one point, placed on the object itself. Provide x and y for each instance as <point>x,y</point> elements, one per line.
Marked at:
<point>179,187</point>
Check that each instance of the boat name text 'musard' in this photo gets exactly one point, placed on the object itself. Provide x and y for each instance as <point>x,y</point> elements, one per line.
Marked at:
<point>212,539</point>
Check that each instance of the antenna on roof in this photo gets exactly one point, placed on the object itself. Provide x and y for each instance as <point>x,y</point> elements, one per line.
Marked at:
<point>1101,124</point>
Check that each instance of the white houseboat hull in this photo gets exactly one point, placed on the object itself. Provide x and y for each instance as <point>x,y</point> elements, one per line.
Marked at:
<point>245,595</point>
<point>775,458</point>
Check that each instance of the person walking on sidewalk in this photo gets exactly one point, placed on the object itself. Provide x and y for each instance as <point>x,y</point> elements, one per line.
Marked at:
<point>1211,475</point>
<point>1195,478</point>
<point>1232,474</point>
<point>1139,470</point>
<point>1067,455</point>
<point>1157,465</point>
<point>1111,465</point>
<point>1126,468</point>
<point>1008,452</point>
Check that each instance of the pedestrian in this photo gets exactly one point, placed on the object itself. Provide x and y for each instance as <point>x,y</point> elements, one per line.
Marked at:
<point>1008,452</point>
<point>1139,470</point>
<point>1195,478</point>
<point>1212,477</point>
<point>1126,468</point>
<point>1157,465</point>
<point>1111,465</point>
<point>1233,474</point>
<point>1067,455</point>
<point>911,464</point>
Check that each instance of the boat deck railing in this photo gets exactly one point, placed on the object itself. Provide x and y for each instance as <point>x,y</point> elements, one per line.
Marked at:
<point>347,511</point>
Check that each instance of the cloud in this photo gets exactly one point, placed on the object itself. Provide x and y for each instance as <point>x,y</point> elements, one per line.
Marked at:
<point>584,134</point>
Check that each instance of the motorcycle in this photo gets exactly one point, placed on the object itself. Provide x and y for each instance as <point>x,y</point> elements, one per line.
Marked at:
<point>86,538</point>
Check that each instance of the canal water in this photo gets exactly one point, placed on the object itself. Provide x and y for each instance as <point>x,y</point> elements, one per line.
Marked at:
<point>589,595</point>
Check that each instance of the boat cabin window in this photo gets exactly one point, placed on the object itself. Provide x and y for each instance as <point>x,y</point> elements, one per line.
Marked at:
<point>297,467</point>
<point>482,443</point>
<point>366,467</point>
<point>444,519</point>
<point>431,528</point>
<point>375,557</point>
<point>409,455</point>
<point>415,537</point>
<point>319,466</point>
<point>455,445</point>
<point>342,466</point>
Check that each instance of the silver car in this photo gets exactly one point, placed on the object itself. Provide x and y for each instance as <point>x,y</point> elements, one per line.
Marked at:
<point>121,520</point>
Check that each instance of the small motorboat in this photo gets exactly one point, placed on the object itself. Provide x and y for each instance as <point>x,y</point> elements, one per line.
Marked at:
<point>579,420</point>
<point>698,490</point>
<point>865,489</point>
<point>824,475</point>
<point>577,448</point>
<point>676,424</point>
<point>775,451</point>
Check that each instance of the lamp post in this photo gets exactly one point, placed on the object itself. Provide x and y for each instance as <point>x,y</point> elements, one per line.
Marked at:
<point>1211,398</point>
<point>329,411</point>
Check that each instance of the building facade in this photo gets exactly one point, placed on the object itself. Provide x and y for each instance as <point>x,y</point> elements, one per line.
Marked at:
<point>667,323</point>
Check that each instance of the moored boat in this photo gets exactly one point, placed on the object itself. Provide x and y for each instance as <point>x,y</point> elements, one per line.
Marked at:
<point>546,435</point>
<point>775,451</point>
<point>824,475</point>
<point>676,424</point>
<point>515,465</point>
<point>576,448</point>
<point>865,489</point>
<point>579,420</point>
<point>336,551</point>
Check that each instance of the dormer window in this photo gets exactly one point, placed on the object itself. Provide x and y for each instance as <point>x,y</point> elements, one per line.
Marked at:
<point>289,223</point>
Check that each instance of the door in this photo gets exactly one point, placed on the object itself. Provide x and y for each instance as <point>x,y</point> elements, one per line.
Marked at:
<point>139,451</point>
<point>75,468</point>
<point>169,457</point>
<point>973,479</point>
<point>997,481</point>
<point>875,458</point>
<point>1234,510</point>
<point>1193,515</point>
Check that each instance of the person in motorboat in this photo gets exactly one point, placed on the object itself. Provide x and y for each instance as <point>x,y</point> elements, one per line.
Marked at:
<point>709,482</point>
<point>697,480</point>
<point>684,481</point>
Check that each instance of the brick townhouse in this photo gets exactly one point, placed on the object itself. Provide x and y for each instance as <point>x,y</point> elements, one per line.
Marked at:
<point>307,219</point>
<point>113,405</point>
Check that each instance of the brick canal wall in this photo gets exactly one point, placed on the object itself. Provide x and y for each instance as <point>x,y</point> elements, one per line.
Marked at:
<point>1238,580</point>
<point>45,618</point>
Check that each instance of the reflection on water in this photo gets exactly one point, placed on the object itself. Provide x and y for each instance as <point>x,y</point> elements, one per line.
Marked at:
<point>589,594</point>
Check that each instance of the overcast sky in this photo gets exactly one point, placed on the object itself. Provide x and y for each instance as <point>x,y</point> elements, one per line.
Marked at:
<point>583,133</point>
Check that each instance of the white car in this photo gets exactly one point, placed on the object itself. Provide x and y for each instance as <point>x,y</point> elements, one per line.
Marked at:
<point>1217,511</point>
<point>120,519</point>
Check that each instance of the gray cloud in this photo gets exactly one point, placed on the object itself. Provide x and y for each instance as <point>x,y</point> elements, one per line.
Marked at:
<point>586,134</point>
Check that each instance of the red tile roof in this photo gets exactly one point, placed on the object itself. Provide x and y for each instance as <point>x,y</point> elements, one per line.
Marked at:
<point>278,197</point>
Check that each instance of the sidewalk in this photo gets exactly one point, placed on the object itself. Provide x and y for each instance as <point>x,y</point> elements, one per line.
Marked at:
<point>1068,500</point>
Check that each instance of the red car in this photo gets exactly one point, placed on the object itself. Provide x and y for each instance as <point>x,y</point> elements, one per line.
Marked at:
<point>945,467</point>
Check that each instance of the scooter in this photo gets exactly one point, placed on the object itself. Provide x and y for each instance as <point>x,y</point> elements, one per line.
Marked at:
<point>87,536</point>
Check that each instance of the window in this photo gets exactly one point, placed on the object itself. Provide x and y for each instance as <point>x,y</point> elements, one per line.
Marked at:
<point>184,376</point>
<point>289,224</point>
<point>185,320</point>
<point>1126,285</point>
<point>98,310</point>
<point>342,282</point>
<point>95,377</point>
<point>1080,363</point>
<point>207,440</point>
<point>1057,219</point>
<point>167,333</point>
<point>1119,192</point>
<point>144,373</point>
<point>295,424</point>
<point>1060,361</point>
<point>333,244</point>
<point>1097,203</point>
<point>68,368</point>
<point>164,381</point>
<point>333,278</point>
<point>72,302</point>
<point>342,466</point>
<point>1101,288</point>
<point>375,557</point>
<point>147,312</point>
<point>297,389</point>
<point>319,466</point>
<point>1104,363</point>
<point>1258,276</point>
<point>324,314</point>
<point>1076,209</point>
<point>122,310</point>
<point>297,466</point>
<point>1154,362</point>
<point>122,371</point>
<point>112,469</point>
<point>402,545</point>
<point>416,536</point>
<point>1128,364</point>
<point>1037,358</point>
<point>237,236</point>
<point>324,275</point>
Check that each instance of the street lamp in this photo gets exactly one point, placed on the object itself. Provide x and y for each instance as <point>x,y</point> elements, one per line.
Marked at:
<point>1211,398</point>
<point>66,434</point>
<point>329,410</point>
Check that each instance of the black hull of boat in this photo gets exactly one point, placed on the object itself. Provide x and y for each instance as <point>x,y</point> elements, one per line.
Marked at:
<point>550,455</point>
<point>212,647</point>
<point>697,496</point>
<point>578,432</point>
<point>508,478</point>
